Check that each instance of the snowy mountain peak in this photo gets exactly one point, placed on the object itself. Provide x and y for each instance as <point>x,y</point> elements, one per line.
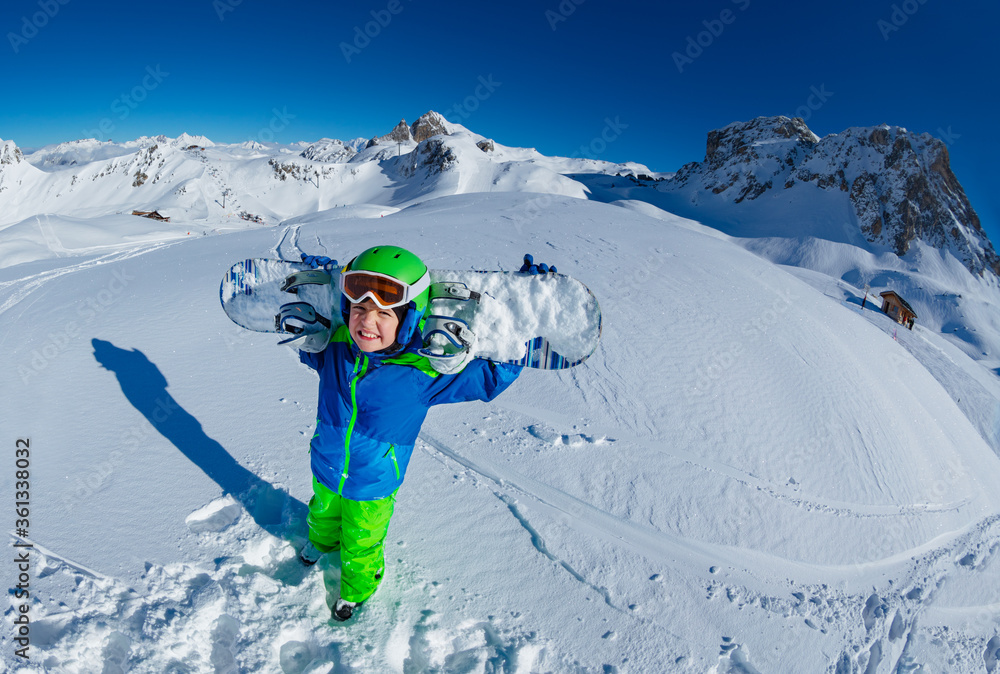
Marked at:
<point>899,185</point>
<point>187,140</point>
<point>400,134</point>
<point>10,153</point>
<point>737,138</point>
<point>329,150</point>
<point>429,124</point>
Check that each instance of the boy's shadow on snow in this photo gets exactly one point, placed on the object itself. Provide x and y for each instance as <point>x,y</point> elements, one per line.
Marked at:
<point>146,388</point>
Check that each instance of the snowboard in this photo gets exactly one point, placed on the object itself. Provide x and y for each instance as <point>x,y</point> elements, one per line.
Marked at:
<point>545,321</point>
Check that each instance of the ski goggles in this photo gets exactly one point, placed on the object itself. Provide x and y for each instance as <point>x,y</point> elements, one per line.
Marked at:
<point>383,290</point>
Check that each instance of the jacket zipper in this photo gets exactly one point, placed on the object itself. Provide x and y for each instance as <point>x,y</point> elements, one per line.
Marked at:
<point>362,361</point>
<point>392,455</point>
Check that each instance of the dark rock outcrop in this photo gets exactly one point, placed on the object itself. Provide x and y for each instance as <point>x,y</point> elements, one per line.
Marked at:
<point>899,184</point>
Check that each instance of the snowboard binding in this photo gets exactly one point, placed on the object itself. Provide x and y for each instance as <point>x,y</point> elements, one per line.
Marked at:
<point>448,341</point>
<point>310,330</point>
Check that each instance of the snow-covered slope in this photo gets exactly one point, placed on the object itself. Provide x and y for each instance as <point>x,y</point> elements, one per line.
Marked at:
<point>749,475</point>
<point>203,186</point>
<point>870,206</point>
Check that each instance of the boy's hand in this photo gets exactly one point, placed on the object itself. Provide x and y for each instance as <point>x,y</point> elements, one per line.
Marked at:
<point>310,331</point>
<point>319,261</point>
<point>313,342</point>
<point>448,344</point>
<point>529,267</point>
<point>452,364</point>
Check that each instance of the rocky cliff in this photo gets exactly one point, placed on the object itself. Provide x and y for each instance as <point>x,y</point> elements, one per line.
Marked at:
<point>428,125</point>
<point>10,153</point>
<point>899,184</point>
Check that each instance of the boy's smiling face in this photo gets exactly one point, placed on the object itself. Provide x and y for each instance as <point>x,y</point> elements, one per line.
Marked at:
<point>372,327</point>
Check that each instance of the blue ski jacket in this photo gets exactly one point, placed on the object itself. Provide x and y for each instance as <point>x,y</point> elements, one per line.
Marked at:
<point>371,409</point>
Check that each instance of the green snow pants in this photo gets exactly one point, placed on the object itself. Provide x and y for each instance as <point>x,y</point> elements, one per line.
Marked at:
<point>357,529</point>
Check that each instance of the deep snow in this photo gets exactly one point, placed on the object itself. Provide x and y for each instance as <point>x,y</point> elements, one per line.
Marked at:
<point>749,475</point>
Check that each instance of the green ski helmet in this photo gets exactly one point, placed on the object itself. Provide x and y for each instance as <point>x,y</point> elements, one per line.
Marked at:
<point>401,265</point>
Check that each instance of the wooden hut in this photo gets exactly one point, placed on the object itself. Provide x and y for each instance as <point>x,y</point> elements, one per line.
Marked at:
<point>155,215</point>
<point>898,309</point>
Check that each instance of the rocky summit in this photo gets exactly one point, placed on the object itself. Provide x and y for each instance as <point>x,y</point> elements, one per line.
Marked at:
<point>899,185</point>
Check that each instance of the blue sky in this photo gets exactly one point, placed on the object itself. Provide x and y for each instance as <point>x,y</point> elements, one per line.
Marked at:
<point>568,77</point>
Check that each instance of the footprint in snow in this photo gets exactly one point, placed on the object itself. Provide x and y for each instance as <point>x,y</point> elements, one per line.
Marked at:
<point>550,436</point>
<point>294,657</point>
<point>472,646</point>
<point>734,659</point>
<point>992,654</point>
<point>874,611</point>
<point>224,644</point>
<point>115,653</point>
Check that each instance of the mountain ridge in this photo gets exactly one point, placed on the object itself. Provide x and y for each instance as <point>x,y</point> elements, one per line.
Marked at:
<point>899,184</point>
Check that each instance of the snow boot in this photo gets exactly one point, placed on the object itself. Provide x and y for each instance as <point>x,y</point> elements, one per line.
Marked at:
<point>309,555</point>
<point>343,610</point>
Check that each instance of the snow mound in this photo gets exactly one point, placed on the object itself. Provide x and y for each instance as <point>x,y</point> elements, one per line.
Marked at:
<point>216,516</point>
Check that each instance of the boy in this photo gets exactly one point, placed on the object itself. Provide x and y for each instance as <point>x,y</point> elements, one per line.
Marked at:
<point>374,393</point>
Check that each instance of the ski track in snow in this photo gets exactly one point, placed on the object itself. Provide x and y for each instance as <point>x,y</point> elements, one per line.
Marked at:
<point>23,287</point>
<point>783,493</point>
<point>778,492</point>
<point>289,248</point>
<point>667,547</point>
<point>891,621</point>
<point>289,238</point>
<point>76,566</point>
